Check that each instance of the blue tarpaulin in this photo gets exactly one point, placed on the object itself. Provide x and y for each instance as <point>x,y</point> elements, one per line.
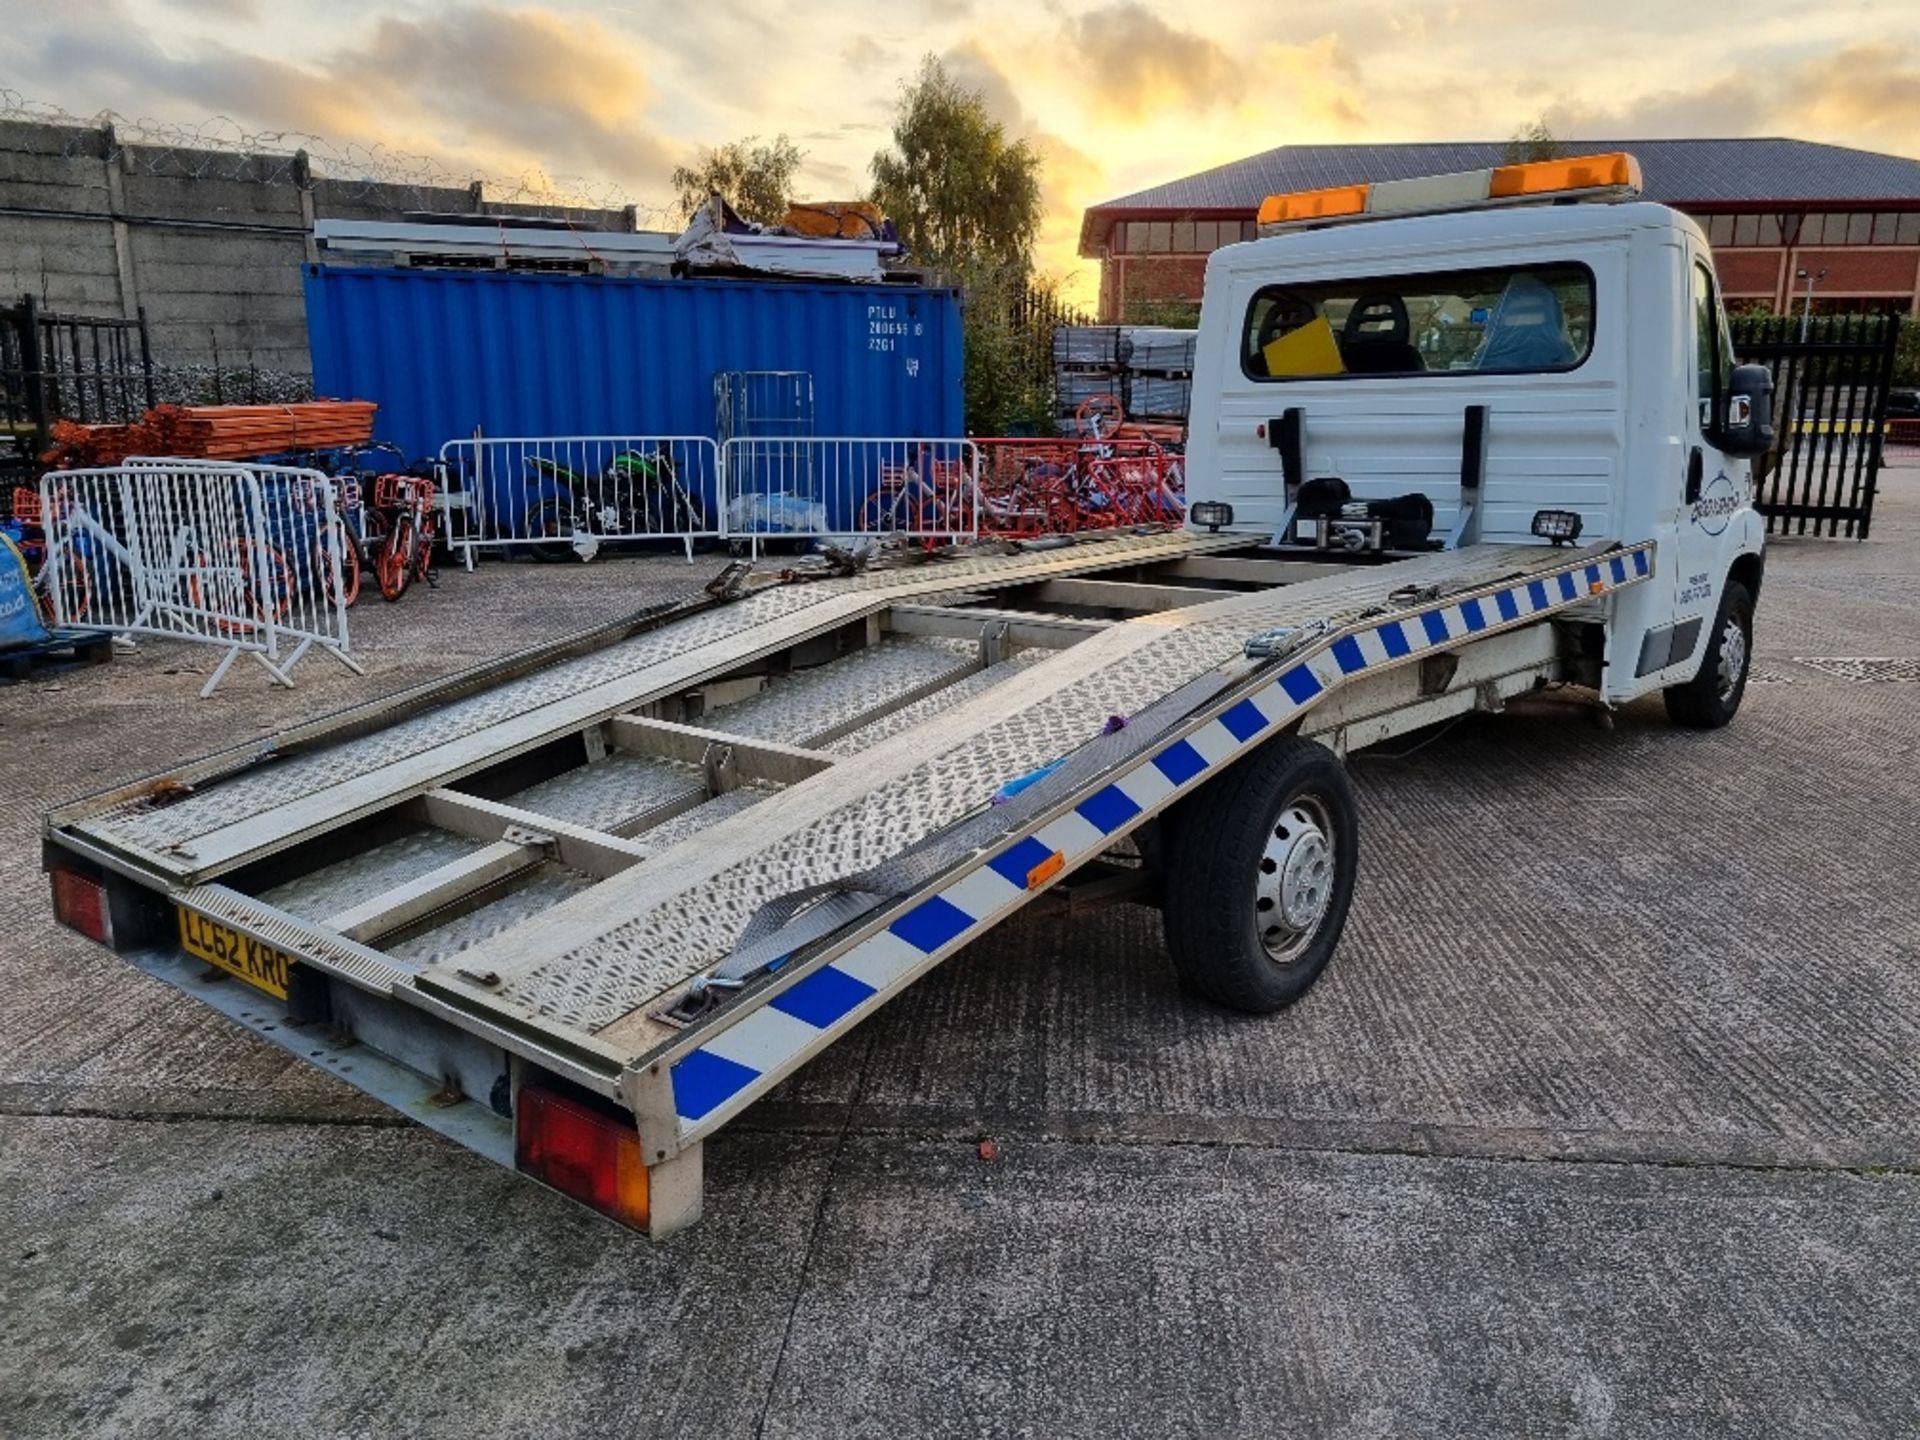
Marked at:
<point>19,614</point>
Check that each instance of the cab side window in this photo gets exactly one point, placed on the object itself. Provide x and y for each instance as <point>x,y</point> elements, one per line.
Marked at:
<point>1712,346</point>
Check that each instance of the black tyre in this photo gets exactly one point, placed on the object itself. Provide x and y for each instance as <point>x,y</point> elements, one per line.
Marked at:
<point>1711,698</point>
<point>1260,871</point>
<point>549,526</point>
<point>393,567</point>
<point>334,540</point>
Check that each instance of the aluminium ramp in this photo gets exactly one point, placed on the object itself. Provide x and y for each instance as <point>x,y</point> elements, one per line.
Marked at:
<point>230,822</point>
<point>595,968</point>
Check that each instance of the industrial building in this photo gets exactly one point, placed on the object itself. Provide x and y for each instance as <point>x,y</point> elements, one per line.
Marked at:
<point>1780,213</point>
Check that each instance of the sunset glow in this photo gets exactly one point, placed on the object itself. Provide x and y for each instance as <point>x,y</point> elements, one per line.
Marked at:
<point>1115,96</point>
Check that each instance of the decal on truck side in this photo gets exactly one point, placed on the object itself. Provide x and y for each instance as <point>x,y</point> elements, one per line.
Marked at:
<point>1716,505</point>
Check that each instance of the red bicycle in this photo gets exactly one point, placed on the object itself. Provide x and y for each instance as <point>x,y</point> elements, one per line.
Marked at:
<point>406,550</point>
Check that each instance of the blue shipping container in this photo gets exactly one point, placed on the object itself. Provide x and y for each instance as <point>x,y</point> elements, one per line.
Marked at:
<point>446,352</point>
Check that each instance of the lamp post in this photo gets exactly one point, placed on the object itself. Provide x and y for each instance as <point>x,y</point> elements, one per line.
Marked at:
<point>1806,315</point>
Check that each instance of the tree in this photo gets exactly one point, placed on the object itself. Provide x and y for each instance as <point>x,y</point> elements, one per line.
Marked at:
<point>962,194</point>
<point>1533,141</point>
<point>966,198</point>
<point>756,179</point>
<point>1009,352</point>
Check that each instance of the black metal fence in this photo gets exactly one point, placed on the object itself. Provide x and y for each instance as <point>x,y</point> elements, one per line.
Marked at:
<point>1831,377</point>
<point>1010,322</point>
<point>1033,316</point>
<point>66,367</point>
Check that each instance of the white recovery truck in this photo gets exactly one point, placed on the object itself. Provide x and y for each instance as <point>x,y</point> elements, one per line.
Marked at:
<point>1453,440</point>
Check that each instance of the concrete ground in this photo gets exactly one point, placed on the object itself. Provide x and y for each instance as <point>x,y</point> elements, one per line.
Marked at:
<point>1606,1121</point>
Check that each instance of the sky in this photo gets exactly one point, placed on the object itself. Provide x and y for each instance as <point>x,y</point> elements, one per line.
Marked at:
<point>1115,95</point>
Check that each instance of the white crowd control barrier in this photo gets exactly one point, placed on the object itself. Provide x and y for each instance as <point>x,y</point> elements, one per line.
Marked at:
<point>836,486</point>
<point>553,497</point>
<point>248,558</point>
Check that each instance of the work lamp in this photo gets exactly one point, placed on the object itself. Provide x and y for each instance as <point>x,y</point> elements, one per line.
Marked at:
<point>1211,513</point>
<point>1562,527</point>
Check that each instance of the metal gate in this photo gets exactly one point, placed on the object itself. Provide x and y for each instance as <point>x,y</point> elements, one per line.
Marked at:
<point>66,367</point>
<point>557,495</point>
<point>1830,381</point>
<point>246,558</point>
<point>844,486</point>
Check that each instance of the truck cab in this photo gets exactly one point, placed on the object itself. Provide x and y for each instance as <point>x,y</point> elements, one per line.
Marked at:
<point>1499,353</point>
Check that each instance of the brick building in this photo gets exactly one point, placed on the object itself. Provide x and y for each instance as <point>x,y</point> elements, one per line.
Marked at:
<point>1772,208</point>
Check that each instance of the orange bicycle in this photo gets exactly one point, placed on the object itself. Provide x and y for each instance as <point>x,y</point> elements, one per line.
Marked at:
<point>406,551</point>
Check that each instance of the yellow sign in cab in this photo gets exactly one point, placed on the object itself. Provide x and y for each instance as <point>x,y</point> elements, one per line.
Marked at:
<point>254,961</point>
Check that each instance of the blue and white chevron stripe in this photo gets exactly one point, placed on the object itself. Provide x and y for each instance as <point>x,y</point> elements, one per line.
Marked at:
<point>728,1069</point>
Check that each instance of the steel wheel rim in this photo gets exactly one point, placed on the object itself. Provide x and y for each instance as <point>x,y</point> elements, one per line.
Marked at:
<point>1733,657</point>
<point>1294,882</point>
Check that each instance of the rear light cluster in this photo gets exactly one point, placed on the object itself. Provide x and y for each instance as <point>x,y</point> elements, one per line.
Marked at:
<point>80,903</point>
<point>584,1148</point>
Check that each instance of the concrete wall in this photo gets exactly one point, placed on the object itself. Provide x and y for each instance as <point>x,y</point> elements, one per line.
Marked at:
<point>209,243</point>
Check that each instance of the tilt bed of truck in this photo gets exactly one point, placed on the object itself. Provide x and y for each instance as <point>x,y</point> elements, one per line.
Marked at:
<point>1453,440</point>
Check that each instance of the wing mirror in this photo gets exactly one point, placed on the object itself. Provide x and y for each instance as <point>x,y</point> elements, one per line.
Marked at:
<point>1747,428</point>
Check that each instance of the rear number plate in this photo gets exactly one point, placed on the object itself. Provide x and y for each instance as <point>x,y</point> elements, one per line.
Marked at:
<point>254,961</point>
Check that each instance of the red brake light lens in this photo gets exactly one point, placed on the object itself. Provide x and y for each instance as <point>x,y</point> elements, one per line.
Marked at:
<point>581,1149</point>
<point>80,903</point>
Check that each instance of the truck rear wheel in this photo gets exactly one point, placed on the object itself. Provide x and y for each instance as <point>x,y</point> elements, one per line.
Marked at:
<point>1710,699</point>
<point>1260,870</point>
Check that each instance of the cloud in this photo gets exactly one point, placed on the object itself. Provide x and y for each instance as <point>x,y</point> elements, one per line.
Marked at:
<point>1132,67</point>
<point>1860,94</point>
<point>970,65</point>
<point>219,9</point>
<point>480,85</point>
<point>829,179</point>
<point>1730,106</point>
<point>863,52</point>
<point>1132,63</point>
<point>1315,80</point>
<point>560,87</point>
<point>1869,89</point>
<point>216,78</point>
<point>1070,179</point>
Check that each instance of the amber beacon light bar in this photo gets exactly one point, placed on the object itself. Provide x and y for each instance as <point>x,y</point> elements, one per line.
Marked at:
<point>1586,177</point>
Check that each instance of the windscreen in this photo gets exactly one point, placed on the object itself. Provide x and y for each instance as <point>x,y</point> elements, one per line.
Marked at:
<point>1513,319</point>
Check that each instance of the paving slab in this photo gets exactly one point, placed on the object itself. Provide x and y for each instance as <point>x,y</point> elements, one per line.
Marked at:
<point>237,1279</point>
<point>249,1280</point>
<point>1602,1123</point>
<point>1130,1290</point>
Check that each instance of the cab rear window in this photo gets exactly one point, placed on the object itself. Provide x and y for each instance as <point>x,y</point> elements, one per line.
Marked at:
<point>1511,320</point>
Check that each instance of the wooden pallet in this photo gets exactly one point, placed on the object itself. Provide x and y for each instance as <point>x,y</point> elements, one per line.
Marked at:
<point>62,650</point>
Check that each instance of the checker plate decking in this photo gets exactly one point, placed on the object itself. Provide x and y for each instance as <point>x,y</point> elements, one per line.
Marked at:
<point>602,956</point>
<point>798,709</point>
